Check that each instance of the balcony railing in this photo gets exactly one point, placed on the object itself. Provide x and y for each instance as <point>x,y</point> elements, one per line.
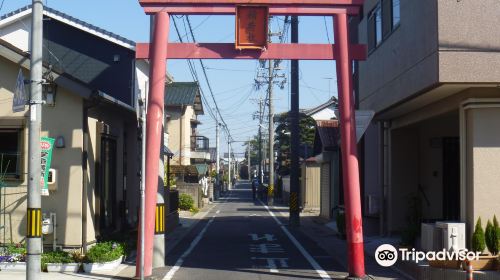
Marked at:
<point>199,144</point>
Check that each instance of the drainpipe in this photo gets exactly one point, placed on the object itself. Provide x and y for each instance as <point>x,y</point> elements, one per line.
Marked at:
<point>84,176</point>
<point>386,204</point>
<point>181,124</point>
<point>381,170</point>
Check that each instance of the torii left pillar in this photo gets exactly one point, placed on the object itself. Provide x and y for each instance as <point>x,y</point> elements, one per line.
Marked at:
<point>154,121</point>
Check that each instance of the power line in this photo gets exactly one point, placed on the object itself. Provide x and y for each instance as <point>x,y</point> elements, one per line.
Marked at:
<point>207,81</point>
<point>1,5</point>
<point>326,29</point>
<point>195,75</point>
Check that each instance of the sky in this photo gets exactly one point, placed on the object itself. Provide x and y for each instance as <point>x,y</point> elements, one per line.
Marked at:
<point>232,81</point>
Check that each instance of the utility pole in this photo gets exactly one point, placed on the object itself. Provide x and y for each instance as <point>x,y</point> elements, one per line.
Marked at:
<point>217,163</point>
<point>34,238</point>
<point>270,190</point>
<point>294,131</point>
<point>260,140</point>
<point>229,162</point>
<point>249,162</point>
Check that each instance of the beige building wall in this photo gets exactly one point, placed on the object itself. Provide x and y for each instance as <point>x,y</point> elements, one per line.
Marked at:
<point>310,185</point>
<point>482,151</point>
<point>405,63</point>
<point>468,41</point>
<point>66,119</point>
<point>179,133</point>
<point>66,201</point>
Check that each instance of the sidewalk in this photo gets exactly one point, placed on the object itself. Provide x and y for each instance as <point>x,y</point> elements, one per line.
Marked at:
<point>327,239</point>
<point>125,270</point>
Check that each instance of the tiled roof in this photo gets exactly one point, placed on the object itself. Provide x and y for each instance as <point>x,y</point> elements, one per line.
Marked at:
<point>311,111</point>
<point>184,93</point>
<point>327,132</point>
<point>186,170</point>
<point>78,24</point>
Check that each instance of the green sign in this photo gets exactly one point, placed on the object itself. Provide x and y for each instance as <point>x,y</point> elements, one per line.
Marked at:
<point>46,145</point>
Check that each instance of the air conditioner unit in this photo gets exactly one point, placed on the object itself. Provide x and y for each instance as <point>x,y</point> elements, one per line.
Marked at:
<point>372,205</point>
<point>452,235</point>
<point>430,238</point>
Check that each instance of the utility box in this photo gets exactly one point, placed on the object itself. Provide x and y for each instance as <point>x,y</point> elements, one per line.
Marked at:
<point>47,225</point>
<point>52,181</point>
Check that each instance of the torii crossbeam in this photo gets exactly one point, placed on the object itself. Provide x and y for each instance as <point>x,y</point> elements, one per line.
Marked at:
<point>342,51</point>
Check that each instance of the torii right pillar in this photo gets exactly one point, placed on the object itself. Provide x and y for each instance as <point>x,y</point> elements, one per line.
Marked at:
<point>352,199</point>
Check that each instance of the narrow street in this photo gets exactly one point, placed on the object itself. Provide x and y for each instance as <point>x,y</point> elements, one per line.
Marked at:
<point>240,239</point>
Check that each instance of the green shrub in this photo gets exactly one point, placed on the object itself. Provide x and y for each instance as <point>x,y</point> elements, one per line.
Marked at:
<point>194,210</point>
<point>186,202</point>
<point>104,252</point>
<point>492,237</point>
<point>16,249</point>
<point>477,242</point>
<point>56,257</point>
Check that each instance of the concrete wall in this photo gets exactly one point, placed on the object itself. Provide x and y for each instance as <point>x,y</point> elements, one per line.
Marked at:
<point>483,158</point>
<point>405,62</point>
<point>372,170</point>
<point>325,197</point>
<point>467,42</point>
<point>194,190</point>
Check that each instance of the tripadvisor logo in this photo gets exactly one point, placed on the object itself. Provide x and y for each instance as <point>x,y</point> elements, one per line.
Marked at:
<point>387,255</point>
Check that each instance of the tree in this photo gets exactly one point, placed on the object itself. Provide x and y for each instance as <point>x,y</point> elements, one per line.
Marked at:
<point>282,143</point>
<point>491,238</point>
<point>478,243</point>
<point>254,150</point>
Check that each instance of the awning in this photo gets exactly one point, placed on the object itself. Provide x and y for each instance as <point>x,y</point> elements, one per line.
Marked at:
<point>167,152</point>
<point>202,168</point>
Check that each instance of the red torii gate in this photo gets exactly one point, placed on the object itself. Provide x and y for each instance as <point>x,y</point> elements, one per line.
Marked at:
<point>342,51</point>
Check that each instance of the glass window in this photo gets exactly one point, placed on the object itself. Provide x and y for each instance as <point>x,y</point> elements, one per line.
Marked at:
<point>9,152</point>
<point>378,25</point>
<point>396,13</point>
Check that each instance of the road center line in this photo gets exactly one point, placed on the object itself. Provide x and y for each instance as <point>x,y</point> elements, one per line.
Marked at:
<point>186,253</point>
<point>322,273</point>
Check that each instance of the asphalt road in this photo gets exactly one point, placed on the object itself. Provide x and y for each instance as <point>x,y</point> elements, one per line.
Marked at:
<point>240,239</point>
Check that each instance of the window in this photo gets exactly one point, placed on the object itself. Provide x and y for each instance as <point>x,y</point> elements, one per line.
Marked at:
<point>382,20</point>
<point>375,27</point>
<point>396,13</point>
<point>10,156</point>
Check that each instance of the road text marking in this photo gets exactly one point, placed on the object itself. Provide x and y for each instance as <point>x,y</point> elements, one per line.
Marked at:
<point>322,273</point>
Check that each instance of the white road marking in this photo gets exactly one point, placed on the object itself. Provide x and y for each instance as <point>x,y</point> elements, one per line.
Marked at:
<point>186,253</point>
<point>218,211</point>
<point>271,263</point>
<point>266,248</point>
<point>267,236</point>
<point>322,273</point>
